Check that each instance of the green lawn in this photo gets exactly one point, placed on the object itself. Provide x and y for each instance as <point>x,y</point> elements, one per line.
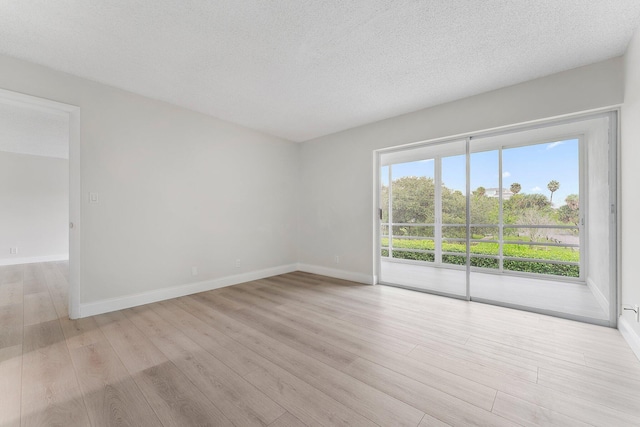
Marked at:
<point>509,250</point>
<point>524,250</point>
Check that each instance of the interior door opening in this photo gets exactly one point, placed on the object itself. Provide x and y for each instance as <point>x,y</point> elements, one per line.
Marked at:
<point>72,218</point>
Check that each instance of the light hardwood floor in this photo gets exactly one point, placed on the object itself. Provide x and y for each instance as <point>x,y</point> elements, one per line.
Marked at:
<point>301,349</point>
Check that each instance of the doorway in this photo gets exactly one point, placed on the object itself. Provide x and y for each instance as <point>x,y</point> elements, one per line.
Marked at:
<point>523,218</point>
<point>72,114</point>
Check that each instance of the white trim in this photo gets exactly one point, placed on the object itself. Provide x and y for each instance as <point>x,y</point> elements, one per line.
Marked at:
<point>505,129</point>
<point>32,259</point>
<point>615,197</point>
<point>338,274</point>
<point>17,98</point>
<point>602,301</point>
<point>75,213</point>
<point>120,303</point>
<point>632,338</point>
<point>377,221</point>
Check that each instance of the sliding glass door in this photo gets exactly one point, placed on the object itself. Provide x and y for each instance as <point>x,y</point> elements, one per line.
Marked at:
<point>515,218</point>
<point>423,218</point>
<point>528,223</point>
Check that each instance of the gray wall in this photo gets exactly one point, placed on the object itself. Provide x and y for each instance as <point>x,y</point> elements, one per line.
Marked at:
<point>176,189</point>
<point>34,207</point>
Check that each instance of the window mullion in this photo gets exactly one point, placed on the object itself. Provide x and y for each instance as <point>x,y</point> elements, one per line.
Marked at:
<point>437,194</point>
<point>500,215</point>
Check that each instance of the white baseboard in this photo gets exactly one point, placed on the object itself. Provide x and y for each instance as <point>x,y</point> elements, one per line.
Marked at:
<point>120,303</point>
<point>338,274</point>
<point>602,301</point>
<point>632,338</point>
<point>33,259</point>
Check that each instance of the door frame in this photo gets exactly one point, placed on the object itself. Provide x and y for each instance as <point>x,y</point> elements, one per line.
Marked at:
<point>614,195</point>
<point>75,189</point>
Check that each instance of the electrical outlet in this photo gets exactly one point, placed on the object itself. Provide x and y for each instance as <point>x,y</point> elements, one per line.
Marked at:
<point>238,263</point>
<point>194,271</point>
<point>337,259</point>
<point>13,251</point>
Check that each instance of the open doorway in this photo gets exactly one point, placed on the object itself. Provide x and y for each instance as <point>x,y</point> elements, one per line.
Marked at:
<point>523,218</point>
<point>40,154</point>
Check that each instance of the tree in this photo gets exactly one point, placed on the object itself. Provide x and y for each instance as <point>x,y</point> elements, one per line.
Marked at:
<point>534,217</point>
<point>553,186</point>
<point>517,206</point>
<point>573,201</point>
<point>413,202</point>
<point>570,213</point>
<point>454,208</point>
<point>480,191</point>
<point>515,188</point>
<point>384,203</point>
<point>521,202</point>
<point>484,210</point>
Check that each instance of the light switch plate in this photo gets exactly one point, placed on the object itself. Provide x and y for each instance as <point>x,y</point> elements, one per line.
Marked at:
<point>93,197</point>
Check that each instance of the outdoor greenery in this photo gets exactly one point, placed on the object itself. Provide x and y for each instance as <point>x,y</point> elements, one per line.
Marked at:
<point>414,203</point>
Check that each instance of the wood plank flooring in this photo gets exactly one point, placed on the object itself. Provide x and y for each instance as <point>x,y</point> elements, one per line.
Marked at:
<point>303,350</point>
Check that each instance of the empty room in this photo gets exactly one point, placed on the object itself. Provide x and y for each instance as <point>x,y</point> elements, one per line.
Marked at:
<point>283,213</point>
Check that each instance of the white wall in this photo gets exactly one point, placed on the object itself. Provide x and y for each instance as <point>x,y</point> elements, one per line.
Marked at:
<point>176,189</point>
<point>630,203</point>
<point>34,208</point>
<point>337,213</point>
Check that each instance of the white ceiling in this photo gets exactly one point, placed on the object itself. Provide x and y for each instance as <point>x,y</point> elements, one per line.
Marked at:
<point>302,69</point>
<point>26,129</point>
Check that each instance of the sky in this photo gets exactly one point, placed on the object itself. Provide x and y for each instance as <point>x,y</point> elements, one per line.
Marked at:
<point>532,166</point>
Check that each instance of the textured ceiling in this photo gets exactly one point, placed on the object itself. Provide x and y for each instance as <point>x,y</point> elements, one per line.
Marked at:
<point>26,129</point>
<point>303,69</point>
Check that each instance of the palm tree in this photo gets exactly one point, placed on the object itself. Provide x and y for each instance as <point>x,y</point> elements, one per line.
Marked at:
<point>481,191</point>
<point>553,187</point>
<point>515,188</point>
<point>573,201</point>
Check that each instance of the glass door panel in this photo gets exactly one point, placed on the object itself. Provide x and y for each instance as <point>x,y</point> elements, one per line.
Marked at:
<point>454,210</point>
<point>485,200</point>
<point>452,218</point>
<point>413,211</point>
<point>542,233</point>
<point>423,228</point>
<point>385,241</point>
<point>528,212</point>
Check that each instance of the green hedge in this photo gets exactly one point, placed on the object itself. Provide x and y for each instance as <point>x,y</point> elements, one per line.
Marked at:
<point>509,250</point>
<point>475,261</point>
<point>416,256</point>
<point>543,268</point>
<point>522,251</point>
<point>485,262</point>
